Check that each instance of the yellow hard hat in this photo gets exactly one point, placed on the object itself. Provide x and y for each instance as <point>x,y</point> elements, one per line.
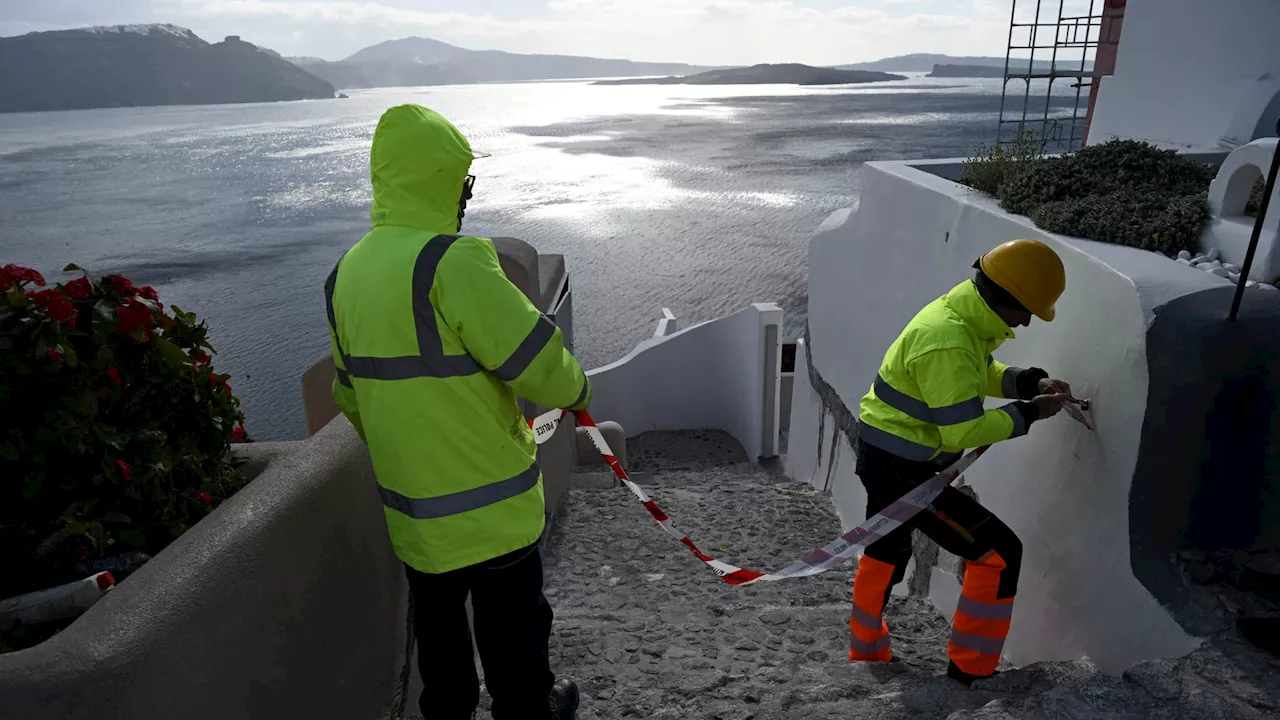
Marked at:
<point>1030,271</point>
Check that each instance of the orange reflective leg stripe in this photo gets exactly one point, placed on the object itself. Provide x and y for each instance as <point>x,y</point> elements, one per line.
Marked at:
<point>981,622</point>
<point>869,636</point>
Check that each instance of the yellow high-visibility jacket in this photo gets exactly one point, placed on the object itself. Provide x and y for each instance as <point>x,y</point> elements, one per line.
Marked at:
<point>432,345</point>
<point>927,400</point>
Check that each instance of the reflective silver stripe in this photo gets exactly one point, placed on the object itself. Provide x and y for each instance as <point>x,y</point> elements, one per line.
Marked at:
<point>901,401</point>
<point>460,502</point>
<point>431,361</point>
<point>582,396</point>
<point>528,349</point>
<point>1009,382</point>
<point>984,611</point>
<point>868,648</point>
<point>866,619</point>
<point>329,284</point>
<point>960,412</point>
<point>978,643</point>
<point>889,442</point>
<point>344,377</point>
<point>1019,422</point>
<point>436,363</point>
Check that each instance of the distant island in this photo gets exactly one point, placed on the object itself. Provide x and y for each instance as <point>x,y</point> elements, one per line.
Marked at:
<point>784,74</point>
<point>926,62</point>
<point>968,71</point>
<point>415,61</point>
<point>990,71</point>
<point>143,65</point>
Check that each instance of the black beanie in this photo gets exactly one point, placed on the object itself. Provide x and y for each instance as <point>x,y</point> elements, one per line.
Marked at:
<point>995,295</point>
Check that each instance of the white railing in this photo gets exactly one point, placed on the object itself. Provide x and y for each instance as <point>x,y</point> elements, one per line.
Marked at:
<point>724,374</point>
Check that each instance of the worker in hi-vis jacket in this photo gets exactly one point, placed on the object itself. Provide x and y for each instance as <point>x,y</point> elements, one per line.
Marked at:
<point>924,409</point>
<point>432,344</point>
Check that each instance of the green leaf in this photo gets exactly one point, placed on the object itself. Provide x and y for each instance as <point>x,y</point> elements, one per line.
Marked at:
<point>134,538</point>
<point>69,356</point>
<point>115,517</point>
<point>82,403</point>
<point>105,356</point>
<point>9,452</point>
<point>72,267</point>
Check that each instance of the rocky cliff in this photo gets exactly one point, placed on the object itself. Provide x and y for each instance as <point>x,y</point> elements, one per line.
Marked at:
<point>140,65</point>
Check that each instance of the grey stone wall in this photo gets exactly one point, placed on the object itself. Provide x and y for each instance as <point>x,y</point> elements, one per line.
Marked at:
<point>286,602</point>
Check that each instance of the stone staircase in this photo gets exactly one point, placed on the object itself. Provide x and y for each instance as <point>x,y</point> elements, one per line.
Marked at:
<point>649,632</point>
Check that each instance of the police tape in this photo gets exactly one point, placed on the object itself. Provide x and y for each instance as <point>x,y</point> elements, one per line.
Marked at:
<point>816,561</point>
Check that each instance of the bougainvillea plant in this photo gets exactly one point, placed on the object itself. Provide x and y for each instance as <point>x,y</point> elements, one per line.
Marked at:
<point>115,428</point>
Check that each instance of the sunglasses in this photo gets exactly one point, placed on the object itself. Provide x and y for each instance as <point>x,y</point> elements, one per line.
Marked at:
<point>467,186</point>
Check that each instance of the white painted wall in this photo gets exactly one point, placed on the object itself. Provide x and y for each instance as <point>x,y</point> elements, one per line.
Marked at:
<point>712,375</point>
<point>1062,489</point>
<point>1231,230</point>
<point>1191,73</point>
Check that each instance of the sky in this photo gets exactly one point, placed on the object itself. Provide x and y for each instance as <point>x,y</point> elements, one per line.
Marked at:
<point>706,32</point>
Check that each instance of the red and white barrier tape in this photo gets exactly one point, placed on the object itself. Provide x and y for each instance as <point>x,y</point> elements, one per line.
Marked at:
<point>815,561</point>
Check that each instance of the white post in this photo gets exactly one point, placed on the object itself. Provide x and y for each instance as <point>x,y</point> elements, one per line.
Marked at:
<point>770,376</point>
<point>667,325</point>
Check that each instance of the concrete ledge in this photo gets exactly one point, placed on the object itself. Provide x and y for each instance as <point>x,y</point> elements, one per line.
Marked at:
<point>287,601</point>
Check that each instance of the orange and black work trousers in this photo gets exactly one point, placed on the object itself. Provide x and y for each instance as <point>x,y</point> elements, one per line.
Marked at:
<point>961,526</point>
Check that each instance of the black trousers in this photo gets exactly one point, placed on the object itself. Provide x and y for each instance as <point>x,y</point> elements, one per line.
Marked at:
<point>512,623</point>
<point>960,525</point>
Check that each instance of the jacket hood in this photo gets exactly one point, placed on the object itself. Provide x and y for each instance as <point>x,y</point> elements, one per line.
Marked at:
<point>418,164</point>
<point>965,301</point>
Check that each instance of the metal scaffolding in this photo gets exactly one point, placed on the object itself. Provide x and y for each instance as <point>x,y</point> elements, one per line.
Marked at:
<point>1051,48</point>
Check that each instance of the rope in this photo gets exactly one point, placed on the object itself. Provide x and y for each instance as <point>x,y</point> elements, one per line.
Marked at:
<point>401,695</point>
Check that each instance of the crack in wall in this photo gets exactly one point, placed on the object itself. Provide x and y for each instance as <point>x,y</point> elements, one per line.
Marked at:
<point>926,553</point>
<point>829,403</point>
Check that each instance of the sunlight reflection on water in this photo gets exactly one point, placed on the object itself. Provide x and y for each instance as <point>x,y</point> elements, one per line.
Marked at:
<point>700,199</point>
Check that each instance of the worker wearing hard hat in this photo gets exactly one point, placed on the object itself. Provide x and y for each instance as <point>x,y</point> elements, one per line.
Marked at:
<point>924,409</point>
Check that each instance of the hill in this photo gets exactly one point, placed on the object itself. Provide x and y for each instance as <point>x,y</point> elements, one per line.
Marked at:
<point>786,74</point>
<point>141,65</point>
<point>925,62</point>
<point>423,61</point>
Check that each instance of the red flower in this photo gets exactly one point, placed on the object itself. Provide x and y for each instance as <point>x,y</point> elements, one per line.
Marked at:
<point>133,315</point>
<point>120,284</point>
<point>124,468</point>
<point>10,274</point>
<point>147,292</point>
<point>54,304</point>
<point>78,289</point>
<point>204,497</point>
<point>54,354</point>
<point>201,357</point>
<point>113,374</point>
<point>237,434</point>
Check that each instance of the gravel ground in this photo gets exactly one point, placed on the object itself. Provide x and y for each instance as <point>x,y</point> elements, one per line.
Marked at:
<point>648,632</point>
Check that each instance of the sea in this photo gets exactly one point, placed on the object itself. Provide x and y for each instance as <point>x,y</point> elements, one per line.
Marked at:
<point>700,199</point>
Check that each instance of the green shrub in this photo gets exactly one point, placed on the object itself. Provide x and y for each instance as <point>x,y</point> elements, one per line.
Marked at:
<point>116,428</point>
<point>989,167</point>
<point>1123,192</point>
<point>1254,205</point>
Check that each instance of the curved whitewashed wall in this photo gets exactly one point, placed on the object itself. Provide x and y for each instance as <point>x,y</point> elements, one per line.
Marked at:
<point>724,374</point>
<point>1193,74</point>
<point>1063,489</point>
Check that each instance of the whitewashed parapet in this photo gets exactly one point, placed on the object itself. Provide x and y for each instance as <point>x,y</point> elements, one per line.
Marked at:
<point>1230,230</point>
<point>667,325</point>
<point>724,374</point>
